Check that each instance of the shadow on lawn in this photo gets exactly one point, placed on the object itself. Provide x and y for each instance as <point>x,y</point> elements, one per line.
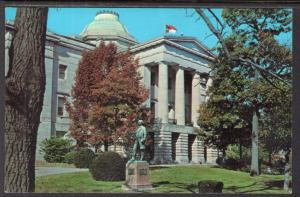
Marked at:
<point>278,184</point>
<point>103,190</point>
<point>188,187</point>
<point>158,167</point>
<point>269,185</point>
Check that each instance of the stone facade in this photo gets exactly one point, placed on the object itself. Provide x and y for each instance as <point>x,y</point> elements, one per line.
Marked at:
<point>174,69</point>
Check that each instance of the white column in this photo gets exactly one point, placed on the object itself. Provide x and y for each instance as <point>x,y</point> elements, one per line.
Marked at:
<point>162,147</point>
<point>182,148</point>
<point>212,155</point>
<point>196,98</point>
<point>179,97</point>
<point>163,98</point>
<point>197,151</point>
<point>145,73</point>
<point>209,83</point>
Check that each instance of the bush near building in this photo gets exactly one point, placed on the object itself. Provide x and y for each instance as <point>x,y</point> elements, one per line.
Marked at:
<point>108,166</point>
<point>70,156</point>
<point>55,149</point>
<point>83,158</point>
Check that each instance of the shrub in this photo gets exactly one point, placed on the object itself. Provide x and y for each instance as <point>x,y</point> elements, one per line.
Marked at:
<point>55,149</point>
<point>83,158</point>
<point>220,161</point>
<point>108,166</point>
<point>233,151</point>
<point>232,164</point>
<point>210,186</point>
<point>70,156</point>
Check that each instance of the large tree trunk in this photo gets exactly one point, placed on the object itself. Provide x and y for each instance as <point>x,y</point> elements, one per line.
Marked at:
<point>25,87</point>
<point>254,151</point>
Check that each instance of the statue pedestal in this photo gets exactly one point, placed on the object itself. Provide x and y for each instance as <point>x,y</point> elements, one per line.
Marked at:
<point>137,176</point>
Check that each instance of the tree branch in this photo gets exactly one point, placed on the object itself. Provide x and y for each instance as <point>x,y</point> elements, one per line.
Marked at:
<point>226,51</point>
<point>214,31</point>
<point>264,70</point>
<point>217,19</point>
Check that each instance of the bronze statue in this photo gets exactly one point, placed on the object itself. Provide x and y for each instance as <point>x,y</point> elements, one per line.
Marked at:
<point>140,138</point>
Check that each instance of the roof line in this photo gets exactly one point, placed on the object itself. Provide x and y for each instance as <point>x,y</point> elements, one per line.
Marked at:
<point>163,39</point>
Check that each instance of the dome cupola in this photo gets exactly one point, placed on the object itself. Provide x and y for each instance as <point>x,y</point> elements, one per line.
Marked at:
<point>107,27</point>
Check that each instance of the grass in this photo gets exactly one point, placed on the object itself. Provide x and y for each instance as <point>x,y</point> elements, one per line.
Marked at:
<point>46,164</point>
<point>168,179</point>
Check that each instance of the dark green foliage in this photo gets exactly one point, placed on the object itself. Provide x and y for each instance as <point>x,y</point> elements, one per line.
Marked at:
<point>240,89</point>
<point>83,158</point>
<point>279,119</point>
<point>55,149</point>
<point>210,186</point>
<point>69,157</point>
<point>108,166</point>
<point>233,164</point>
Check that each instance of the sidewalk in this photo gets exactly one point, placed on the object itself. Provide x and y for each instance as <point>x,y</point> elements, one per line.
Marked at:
<point>44,171</point>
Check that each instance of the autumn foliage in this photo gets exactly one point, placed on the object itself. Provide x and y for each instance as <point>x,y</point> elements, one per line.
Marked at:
<point>107,97</point>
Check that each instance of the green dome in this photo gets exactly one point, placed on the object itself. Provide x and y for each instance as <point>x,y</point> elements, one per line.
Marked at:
<point>106,24</point>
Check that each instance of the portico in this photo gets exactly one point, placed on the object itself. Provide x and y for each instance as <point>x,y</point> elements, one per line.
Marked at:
<point>172,89</point>
<point>176,77</point>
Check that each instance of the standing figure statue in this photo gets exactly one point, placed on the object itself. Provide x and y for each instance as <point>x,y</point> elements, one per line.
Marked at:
<point>140,138</point>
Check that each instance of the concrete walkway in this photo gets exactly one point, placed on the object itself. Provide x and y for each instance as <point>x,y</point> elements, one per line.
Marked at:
<point>44,171</point>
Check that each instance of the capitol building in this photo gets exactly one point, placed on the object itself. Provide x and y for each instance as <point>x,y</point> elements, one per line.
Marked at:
<point>175,70</point>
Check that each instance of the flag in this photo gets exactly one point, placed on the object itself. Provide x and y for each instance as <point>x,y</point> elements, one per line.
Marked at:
<point>170,29</point>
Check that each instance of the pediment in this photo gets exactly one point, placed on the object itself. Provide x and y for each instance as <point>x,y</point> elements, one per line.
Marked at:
<point>192,43</point>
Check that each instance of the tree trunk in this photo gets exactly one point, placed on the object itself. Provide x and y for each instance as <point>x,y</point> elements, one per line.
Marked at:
<point>286,182</point>
<point>270,159</point>
<point>287,171</point>
<point>240,149</point>
<point>254,138</point>
<point>25,87</point>
<point>105,146</point>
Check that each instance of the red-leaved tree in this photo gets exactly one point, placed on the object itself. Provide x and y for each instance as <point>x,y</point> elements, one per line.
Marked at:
<point>107,97</point>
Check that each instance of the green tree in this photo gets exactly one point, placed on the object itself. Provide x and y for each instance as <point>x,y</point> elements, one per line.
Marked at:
<point>251,65</point>
<point>276,129</point>
<point>107,97</point>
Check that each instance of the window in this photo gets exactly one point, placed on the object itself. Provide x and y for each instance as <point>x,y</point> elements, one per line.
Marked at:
<point>152,79</point>
<point>60,106</point>
<point>62,71</point>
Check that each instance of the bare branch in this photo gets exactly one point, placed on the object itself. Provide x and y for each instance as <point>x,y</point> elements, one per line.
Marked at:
<point>270,82</point>
<point>214,31</point>
<point>208,36</point>
<point>217,19</point>
<point>189,15</point>
<point>263,70</point>
<point>226,51</point>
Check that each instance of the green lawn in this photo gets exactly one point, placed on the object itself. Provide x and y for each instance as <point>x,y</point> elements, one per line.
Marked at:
<point>173,179</point>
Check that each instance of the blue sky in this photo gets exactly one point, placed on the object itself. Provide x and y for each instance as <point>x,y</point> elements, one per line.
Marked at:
<point>143,23</point>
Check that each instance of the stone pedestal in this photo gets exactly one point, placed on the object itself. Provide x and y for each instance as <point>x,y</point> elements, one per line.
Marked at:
<point>137,176</point>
